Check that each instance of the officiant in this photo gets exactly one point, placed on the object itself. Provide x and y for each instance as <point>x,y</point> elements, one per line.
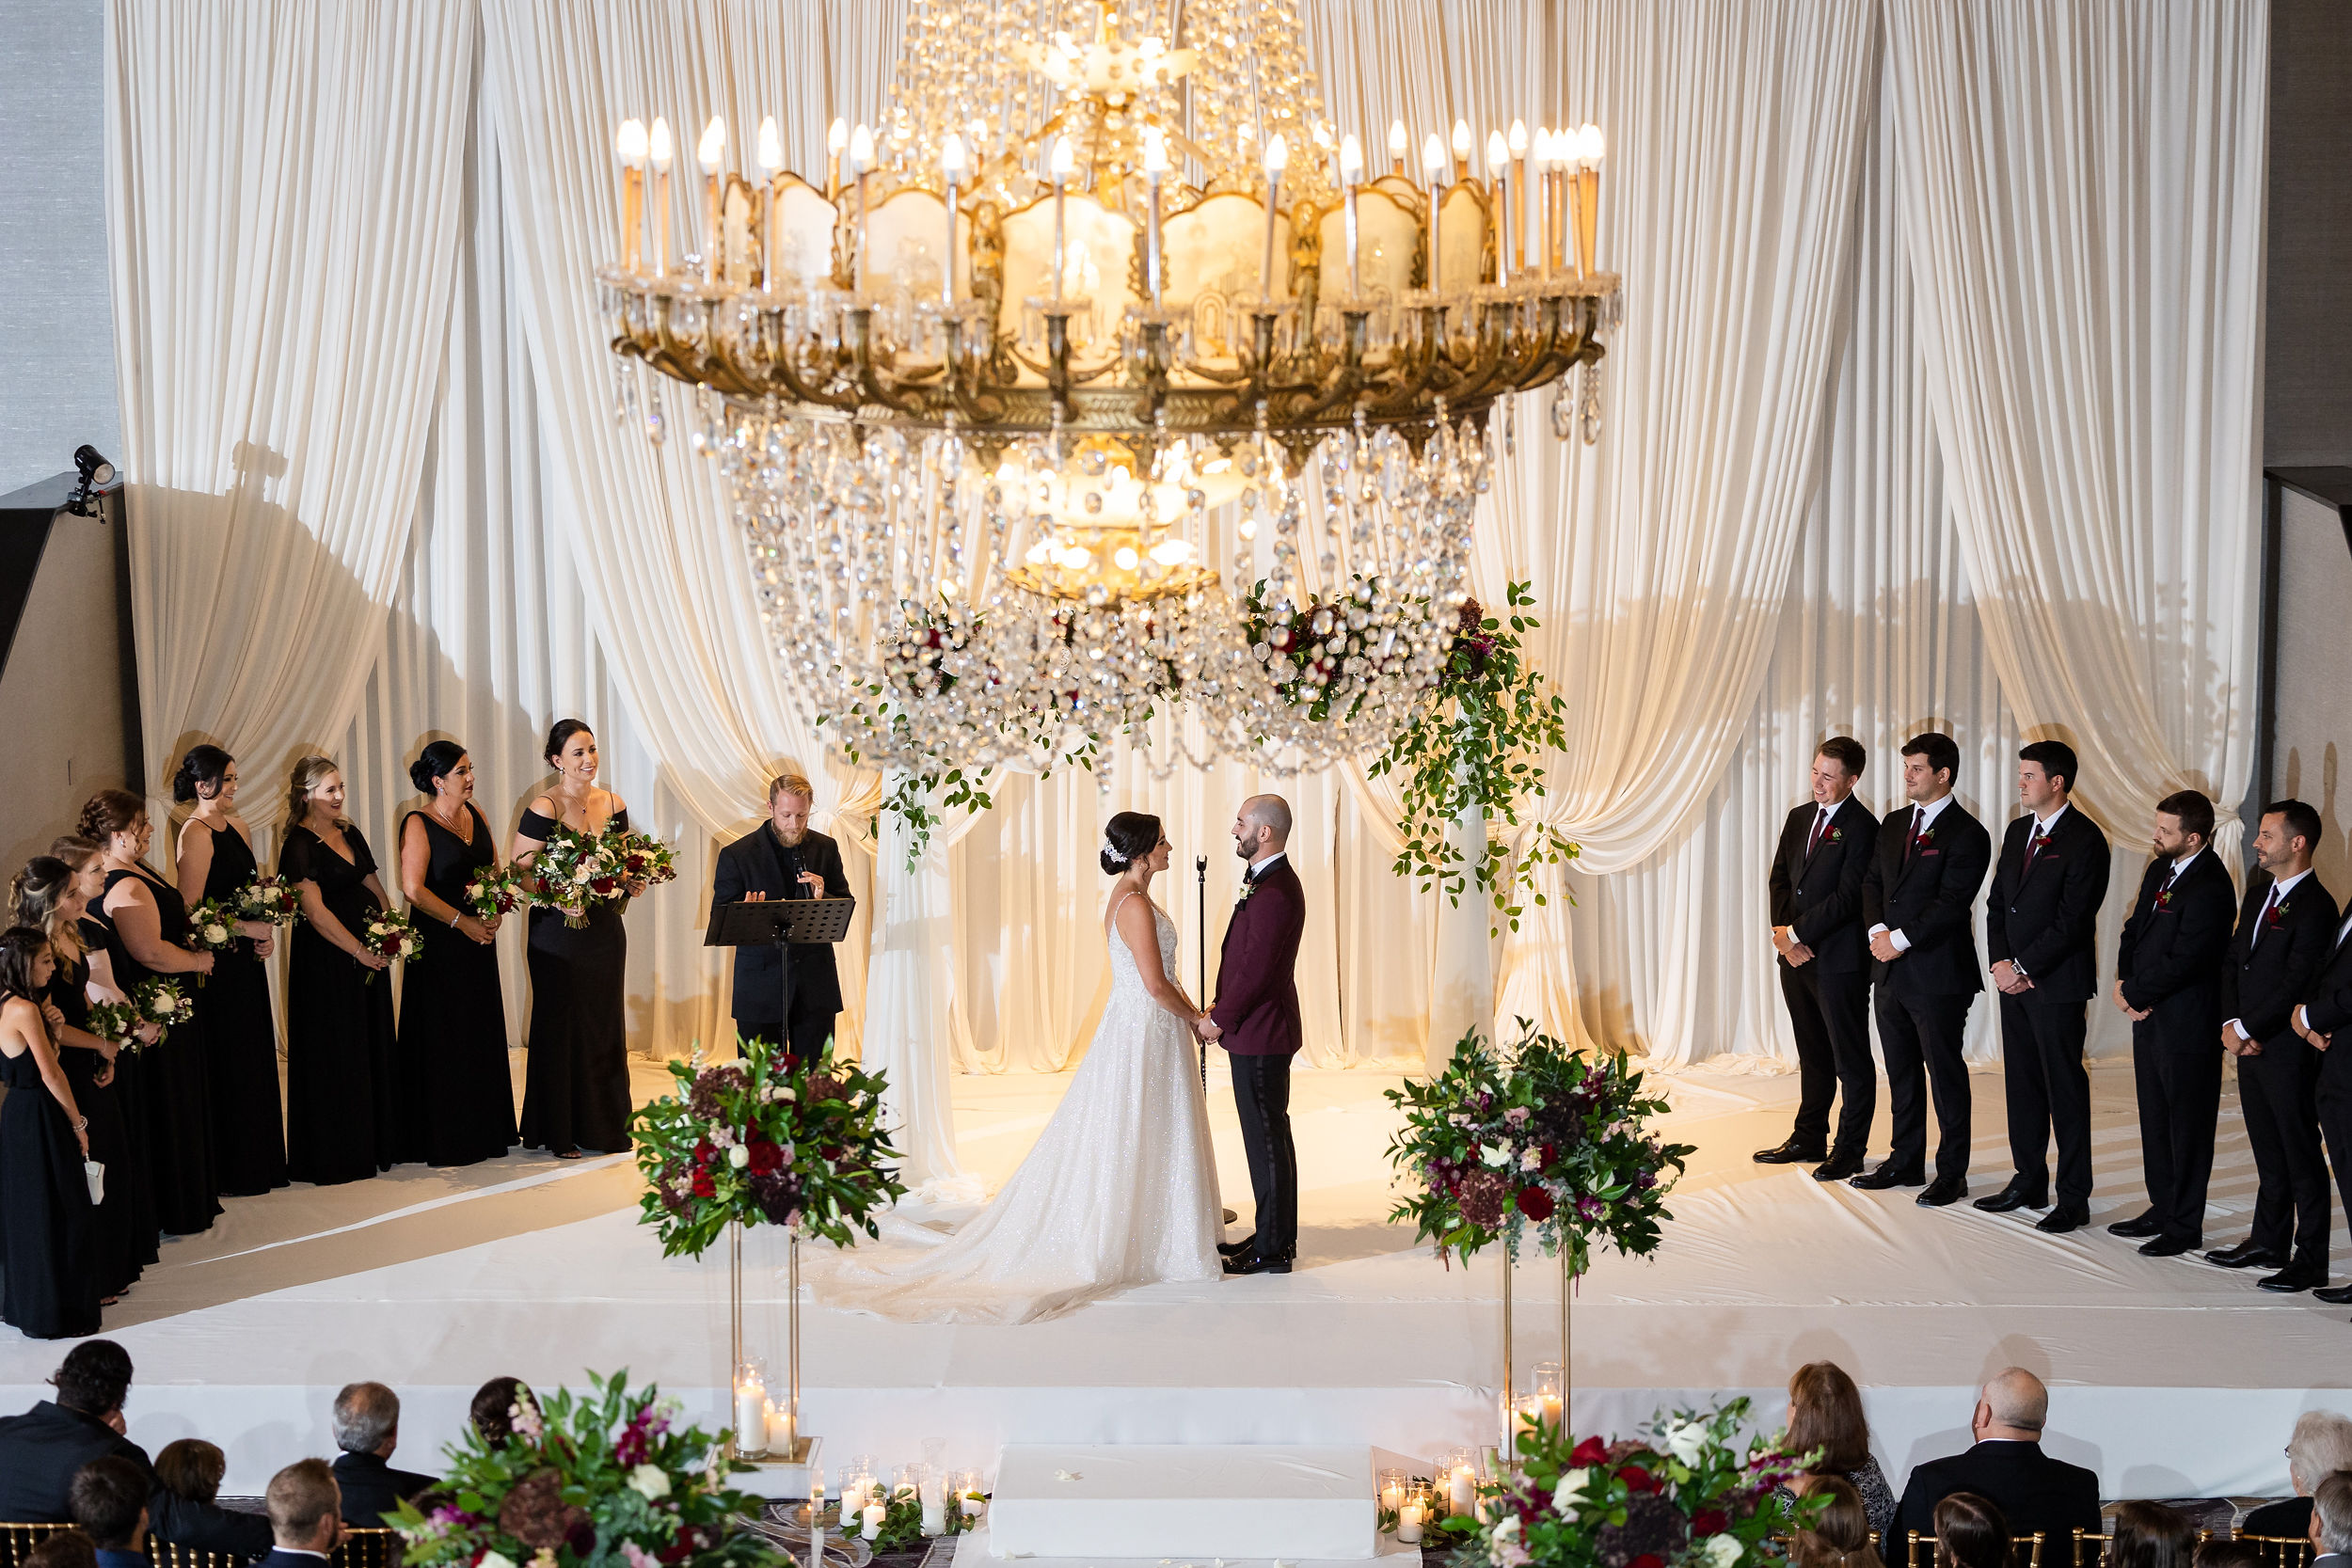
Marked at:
<point>784,858</point>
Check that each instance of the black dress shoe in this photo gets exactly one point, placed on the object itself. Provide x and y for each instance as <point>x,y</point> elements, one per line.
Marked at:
<point>1235,1267</point>
<point>2065,1217</point>
<point>2013,1196</point>
<point>1839,1168</point>
<point>2334,1295</point>
<point>1889,1174</point>
<point>1236,1249</point>
<point>2165,1247</point>
<point>1790,1153</point>
<point>2133,1229</point>
<point>2246,1254</point>
<point>2293,1278</point>
<point>1942,1190</point>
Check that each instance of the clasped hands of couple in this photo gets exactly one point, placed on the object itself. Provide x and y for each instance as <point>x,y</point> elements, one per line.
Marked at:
<point>1204,1029</point>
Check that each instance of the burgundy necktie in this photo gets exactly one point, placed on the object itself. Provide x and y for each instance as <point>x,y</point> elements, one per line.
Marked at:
<point>1820,826</point>
<point>2033,845</point>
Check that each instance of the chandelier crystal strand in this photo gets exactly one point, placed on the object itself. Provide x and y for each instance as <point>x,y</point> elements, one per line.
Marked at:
<point>1089,459</point>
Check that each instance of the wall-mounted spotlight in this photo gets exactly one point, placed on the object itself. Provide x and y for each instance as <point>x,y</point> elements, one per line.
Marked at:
<point>97,473</point>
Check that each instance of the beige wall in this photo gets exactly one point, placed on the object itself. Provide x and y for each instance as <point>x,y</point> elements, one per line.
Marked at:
<point>62,721</point>
<point>2314,736</point>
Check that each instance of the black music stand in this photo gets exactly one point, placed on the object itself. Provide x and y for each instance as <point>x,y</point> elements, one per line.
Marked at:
<point>779,922</point>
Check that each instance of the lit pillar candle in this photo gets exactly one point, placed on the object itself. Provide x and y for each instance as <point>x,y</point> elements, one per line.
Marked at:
<point>1277,157</point>
<point>1399,141</point>
<point>862,164</point>
<point>710,153</point>
<point>1498,177</point>
<point>1461,149</point>
<point>1154,170</point>
<point>630,145</point>
<point>1351,170</point>
<point>751,1414</point>
<point>770,164</point>
<point>935,1495</point>
<point>1590,148</point>
<point>1433,161</point>
<point>951,169</point>
<point>1463,1491</point>
<point>784,1428</point>
<point>1409,1522</point>
<point>872,1519</point>
<point>1062,161</point>
<point>660,151</point>
<point>836,139</point>
<point>1518,197</point>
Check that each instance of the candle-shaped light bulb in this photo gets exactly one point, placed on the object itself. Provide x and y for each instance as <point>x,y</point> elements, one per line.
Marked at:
<point>951,158</point>
<point>709,152</point>
<point>771,161</point>
<point>1059,163</point>
<point>1278,154</point>
<point>862,149</point>
<point>1433,164</point>
<point>1154,170</point>
<point>630,143</point>
<point>712,149</point>
<point>770,155</point>
<point>838,137</point>
<point>1351,159</point>
<point>1461,148</point>
<point>1433,158</point>
<point>1064,160</point>
<point>951,165</point>
<point>1518,138</point>
<point>659,150</point>
<point>1351,171</point>
<point>1497,154</point>
<point>1588,150</point>
<point>1499,180</point>
<point>1154,150</point>
<point>1400,142</point>
<point>657,145</point>
<point>1590,146</point>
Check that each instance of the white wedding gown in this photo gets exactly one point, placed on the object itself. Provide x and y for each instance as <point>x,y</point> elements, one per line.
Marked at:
<point>1121,1190</point>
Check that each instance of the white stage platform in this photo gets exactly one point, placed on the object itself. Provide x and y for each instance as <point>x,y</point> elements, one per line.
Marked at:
<point>2172,1378</point>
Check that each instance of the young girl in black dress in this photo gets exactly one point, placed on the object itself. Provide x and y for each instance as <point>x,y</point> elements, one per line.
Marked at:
<point>47,1286</point>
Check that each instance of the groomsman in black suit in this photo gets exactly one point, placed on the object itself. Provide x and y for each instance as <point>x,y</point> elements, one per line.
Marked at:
<point>1824,964</point>
<point>2327,1014</point>
<point>2040,930</point>
<point>2168,982</point>
<point>1916,901</point>
<point>2285,928</point>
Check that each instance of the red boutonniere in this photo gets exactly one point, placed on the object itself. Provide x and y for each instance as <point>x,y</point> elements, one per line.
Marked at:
<point>2278,912</point>
<point>1836,835</point>
<point>2163,899</point>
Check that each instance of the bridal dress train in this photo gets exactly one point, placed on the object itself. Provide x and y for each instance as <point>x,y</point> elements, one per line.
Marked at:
<point>1119,1191</point>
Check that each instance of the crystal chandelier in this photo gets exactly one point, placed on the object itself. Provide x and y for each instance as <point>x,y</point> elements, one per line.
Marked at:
<point>1103,377</point>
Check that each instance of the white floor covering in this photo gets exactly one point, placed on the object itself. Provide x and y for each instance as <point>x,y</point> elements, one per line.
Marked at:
<point>2172,1378</point>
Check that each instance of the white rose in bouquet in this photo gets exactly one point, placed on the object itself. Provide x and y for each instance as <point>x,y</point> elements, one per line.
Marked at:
<point>649,1482</point>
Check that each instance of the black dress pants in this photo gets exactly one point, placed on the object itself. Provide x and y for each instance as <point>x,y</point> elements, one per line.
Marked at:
<point>1830,1017</point>
<point>2334,1099</point>
<point>2178,1083</point>
<point>2049,1092</point>
<point>1921,1037</point>
<point>1262,1095</point>
<point>2278,1092</point>
<point>812,1025</point>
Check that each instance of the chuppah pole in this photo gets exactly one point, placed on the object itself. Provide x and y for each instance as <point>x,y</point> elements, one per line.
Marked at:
<point>1510,1397</point>
<point>1201,873</point>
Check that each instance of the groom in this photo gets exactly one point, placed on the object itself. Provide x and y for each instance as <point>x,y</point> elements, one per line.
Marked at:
<point>1256,1020</point>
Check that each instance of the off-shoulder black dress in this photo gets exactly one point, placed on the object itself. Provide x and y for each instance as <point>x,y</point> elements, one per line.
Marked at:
<point>576,1082</point>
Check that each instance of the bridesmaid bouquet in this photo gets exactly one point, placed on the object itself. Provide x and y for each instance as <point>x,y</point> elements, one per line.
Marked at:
<point>577,871</point>
<point>115,1022</point>
<point>270,898</point>
<point>157,1001</point>
<point>392,934</point>
<point>212,928</point>
<point>645,860</point>
<point>496,889</point>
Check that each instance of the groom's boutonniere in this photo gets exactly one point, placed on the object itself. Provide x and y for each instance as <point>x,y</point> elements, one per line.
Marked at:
<point>1248,887</point>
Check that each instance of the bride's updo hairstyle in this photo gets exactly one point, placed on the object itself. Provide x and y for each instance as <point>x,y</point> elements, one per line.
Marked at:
<point>1127,839</point>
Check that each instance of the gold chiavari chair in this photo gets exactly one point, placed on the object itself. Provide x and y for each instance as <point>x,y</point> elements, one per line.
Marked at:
<point>368,1547</point>
<point>179,1554</point>
<point>2281,1551</point>
<point>17,1541</point>
<point>2024,1550</point>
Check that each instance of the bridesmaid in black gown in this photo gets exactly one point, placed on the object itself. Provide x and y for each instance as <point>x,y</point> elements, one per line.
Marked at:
<point>576,1082</point>
<point>170,1113</point>
<point>216,859</point>
<point>47,1286</point>
<point>51,893</point>
<point>457,1095</point>
<point>342,1115</point>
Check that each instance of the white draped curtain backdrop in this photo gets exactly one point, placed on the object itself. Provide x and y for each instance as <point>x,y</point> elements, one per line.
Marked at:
<point>1934,406</point>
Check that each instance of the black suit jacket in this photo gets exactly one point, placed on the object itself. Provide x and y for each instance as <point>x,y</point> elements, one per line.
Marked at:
<point>2287,1517</point>
<point>2171,953</point>
<point>40,1450</point>
<point>1819,897</point>
<point>757,864</point>
<point>2045,920</point>
<point>2327,1006</point>
<point>2033,1491</point>
<point>372,1488</point>
<point>2261,982</point>
<point>1931,900</point>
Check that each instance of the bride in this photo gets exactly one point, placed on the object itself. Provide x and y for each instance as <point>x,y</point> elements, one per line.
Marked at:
<point>1120,1189</point>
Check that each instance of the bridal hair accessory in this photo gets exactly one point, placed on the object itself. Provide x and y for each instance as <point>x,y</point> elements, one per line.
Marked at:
<point>1113,851</point>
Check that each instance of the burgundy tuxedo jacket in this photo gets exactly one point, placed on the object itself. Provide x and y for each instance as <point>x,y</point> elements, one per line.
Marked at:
<point>1257,993</point>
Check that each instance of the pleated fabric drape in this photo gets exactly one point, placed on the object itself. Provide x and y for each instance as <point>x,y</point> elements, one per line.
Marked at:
<point>1933,405</point>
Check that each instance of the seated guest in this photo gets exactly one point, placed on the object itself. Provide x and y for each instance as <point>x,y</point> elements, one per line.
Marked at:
<point>2331,1522</point>
<point>2007,1466</point>
<point>1970,1532</point>
<point>68,1548</point>
<point>304,1514</point>
<point>367,1429</point>
<point>2225,1551</point>
<point>190,1469</point>
<point>2150,1535</point>
<point>1840,1536</point>
<point>493,1411</point>
<point>2322,1445</point>
<point>109,1501</point>
<point>1825,1413</point>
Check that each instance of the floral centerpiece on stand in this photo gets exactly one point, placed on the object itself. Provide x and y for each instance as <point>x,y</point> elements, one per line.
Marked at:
<point>611,1479</point>
<point>1684,1493</point>
<point>1533,1140</point>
